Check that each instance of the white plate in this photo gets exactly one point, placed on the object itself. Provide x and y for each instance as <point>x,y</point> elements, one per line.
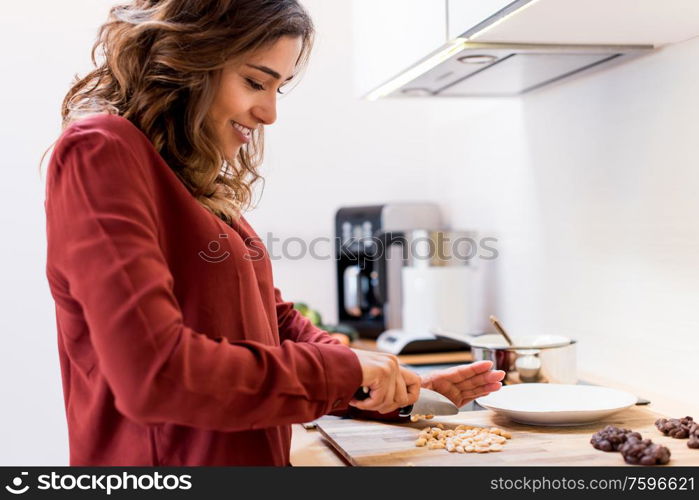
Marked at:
<point>556,404</point>
<point>524,342</point>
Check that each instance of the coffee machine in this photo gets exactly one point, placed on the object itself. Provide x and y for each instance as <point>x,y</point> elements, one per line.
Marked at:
<point>369,266</point>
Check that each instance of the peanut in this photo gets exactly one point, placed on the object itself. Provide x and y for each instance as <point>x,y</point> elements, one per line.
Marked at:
<point>416,416</point>
<point>463,439</point>
<point>501,432</point>
<point>436,445</point>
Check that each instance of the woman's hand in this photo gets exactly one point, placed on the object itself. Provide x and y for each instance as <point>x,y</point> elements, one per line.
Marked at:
<point>462,384</point>
<point>390,386</point>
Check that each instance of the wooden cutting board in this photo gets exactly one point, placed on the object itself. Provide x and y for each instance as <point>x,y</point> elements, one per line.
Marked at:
<point>363,442</point>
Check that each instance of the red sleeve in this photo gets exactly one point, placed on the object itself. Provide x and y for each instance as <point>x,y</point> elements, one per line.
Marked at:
<point>102,231</point>
<point>296,327</point>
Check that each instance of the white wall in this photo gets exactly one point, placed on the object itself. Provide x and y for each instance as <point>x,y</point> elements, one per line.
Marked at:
<point>589,186</point>
<point>592,186</point>
<point>42,45</point>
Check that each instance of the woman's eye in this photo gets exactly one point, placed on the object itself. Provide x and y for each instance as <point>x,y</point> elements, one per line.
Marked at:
<point>256,86</point>
<point>253,84</point>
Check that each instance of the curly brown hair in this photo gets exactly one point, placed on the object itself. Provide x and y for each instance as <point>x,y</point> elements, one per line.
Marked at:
<point>160,64</point>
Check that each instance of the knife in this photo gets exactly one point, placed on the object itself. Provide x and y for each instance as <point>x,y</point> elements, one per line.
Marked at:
<point>428,403</point>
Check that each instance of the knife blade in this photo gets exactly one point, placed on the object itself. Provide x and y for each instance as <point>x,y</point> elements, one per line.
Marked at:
<point>429,402</point>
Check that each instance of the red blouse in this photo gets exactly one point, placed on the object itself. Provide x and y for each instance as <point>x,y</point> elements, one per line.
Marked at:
<point>175,346</point>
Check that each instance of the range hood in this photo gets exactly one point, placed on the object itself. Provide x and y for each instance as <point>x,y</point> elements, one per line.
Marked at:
<point>465,68</point>
<point>532,43</point>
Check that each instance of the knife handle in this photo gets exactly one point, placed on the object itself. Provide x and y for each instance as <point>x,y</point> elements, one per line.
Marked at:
<point>405,411</point>
<point>363,393</point>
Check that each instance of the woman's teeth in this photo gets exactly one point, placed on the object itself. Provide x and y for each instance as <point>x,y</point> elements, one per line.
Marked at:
<point>243,130</point>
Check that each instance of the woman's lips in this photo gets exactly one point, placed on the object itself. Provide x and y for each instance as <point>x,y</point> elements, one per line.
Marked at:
<point>242,136</point>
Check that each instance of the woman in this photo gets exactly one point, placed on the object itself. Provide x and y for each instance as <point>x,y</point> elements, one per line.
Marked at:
<point>175,346</point>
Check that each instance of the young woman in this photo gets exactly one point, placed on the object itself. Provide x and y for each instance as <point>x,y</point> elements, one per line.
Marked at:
<point>175,346</point>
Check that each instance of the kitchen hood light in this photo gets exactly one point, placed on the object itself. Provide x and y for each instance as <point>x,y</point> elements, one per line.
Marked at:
<point>418,92</point>
<point>471,66</point>
<point>504,18</point>
<point>477,59</point>
<point>410,74</point>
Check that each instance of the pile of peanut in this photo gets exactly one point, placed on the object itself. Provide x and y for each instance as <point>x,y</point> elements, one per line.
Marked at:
<point>416,417</point>
<point>463,439</point>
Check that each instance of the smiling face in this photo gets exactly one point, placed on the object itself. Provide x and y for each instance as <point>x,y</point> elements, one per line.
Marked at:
<point>246,97</point>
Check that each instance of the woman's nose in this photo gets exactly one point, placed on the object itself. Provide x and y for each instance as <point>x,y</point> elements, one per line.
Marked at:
<point>266,111</point>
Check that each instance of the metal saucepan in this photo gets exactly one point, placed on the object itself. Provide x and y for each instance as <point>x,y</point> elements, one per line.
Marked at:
<point>543,358</point>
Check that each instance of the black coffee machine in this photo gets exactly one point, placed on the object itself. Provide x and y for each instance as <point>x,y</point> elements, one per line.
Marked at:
<point>368,268</point>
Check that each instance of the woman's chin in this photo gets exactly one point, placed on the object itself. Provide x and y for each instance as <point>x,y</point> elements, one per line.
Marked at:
<point>232,154</point>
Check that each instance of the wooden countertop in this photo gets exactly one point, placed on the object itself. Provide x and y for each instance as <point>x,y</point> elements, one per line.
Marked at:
<point>530,445</point>
<point>309,448</point>
<point>373,443</point>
